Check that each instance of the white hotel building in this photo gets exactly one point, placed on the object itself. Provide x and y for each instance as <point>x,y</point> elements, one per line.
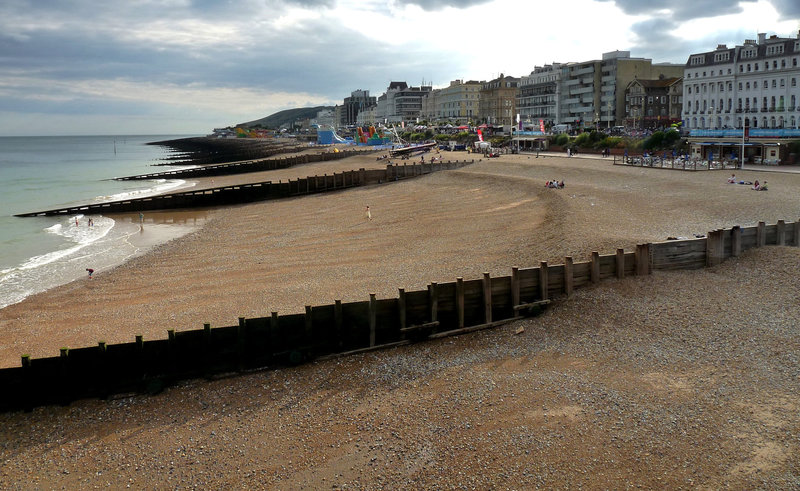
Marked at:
<point>755,85</point>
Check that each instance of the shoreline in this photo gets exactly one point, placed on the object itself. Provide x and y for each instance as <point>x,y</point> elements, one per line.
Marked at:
<point>671,380</point>
<point>250,260</point>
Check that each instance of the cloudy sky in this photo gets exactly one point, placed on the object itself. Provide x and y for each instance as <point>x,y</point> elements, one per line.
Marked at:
<point>186,66</point>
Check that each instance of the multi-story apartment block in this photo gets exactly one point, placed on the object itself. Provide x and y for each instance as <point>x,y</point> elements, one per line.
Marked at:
<point>358,101</point>
<point>753,85</point>
<point>539,96</point>
<point>653,104</point>
<point>498,101</point>
<point>401,103</point>
<point>593,92</point>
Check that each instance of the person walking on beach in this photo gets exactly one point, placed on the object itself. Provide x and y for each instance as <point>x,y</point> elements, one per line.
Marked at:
<point>369,214</point>
<point>90,271</point>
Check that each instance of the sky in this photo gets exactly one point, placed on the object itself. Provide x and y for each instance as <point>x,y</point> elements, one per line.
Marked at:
<point>79,67</point>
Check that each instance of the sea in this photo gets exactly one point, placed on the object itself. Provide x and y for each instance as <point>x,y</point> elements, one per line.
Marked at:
<point>42,173</point>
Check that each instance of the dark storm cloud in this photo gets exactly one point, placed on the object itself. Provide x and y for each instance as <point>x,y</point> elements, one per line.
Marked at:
<point>431,5</point>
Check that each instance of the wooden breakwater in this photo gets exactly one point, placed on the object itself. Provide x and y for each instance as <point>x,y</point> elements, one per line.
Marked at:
<point>207,150</point>
<point>259,191</point>
<point>246,166</point>
<point>442,309</point>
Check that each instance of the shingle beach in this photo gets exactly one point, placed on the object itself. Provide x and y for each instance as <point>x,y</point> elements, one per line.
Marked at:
<point>667,381</point>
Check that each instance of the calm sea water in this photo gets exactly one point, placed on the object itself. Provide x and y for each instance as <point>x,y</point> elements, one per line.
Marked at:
<point>40,173</point>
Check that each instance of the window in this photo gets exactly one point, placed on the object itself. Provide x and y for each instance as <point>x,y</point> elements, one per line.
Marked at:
<point>748,67</point>
<point>755,67</point>
<point>783,63</point>
<point>748,86</point>
<point>766,84</point>
<point>794,82</point>
<point>774,83</point>
<point>690,89</point>
<point>783,83</point>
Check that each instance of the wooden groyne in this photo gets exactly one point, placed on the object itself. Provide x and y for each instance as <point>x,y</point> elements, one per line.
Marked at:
<point>246,166</point>
<point>207,150</point>
<point>259,191</point>
<point>272,341</point>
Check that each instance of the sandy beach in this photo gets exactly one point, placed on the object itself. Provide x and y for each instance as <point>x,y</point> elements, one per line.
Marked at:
<point>672,380</point>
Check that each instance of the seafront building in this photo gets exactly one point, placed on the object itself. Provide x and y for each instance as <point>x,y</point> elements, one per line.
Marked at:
<point>539,96</point>
<point>593,92</point>
<point>401,103</point>
<point>653,104</point>
<point>457,103</point>
<point>357,102</point>
<point>744,100</point>
<point>498,101</point>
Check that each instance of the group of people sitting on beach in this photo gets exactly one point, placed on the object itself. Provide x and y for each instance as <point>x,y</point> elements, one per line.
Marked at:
<point>555,184</point>
<point>757,186</point>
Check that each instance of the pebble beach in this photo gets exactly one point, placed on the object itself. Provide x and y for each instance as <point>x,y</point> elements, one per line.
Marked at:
<point>673,380</point>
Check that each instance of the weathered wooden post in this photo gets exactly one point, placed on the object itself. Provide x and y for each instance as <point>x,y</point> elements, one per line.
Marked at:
<point>514,286</point>
<point>569,278</point>
<point>487,298</point>
<point>308,327</point>
<point>715,247</point>
<point>595,267</point>
<point>642,258</point>
<point>337,320</point>
<point>620,263</point>
<point>736,241</point>
<point>761,234</point>
<point>433,293</point>
<point>373,310</point>
<point>401,307</point>
<point>241,340</point>
<point>796,235</point>
<point>460,301</point>
<point>781,230</point>
<point>544,280</point>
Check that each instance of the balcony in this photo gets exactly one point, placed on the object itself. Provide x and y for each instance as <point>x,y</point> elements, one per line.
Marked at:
<point>772,109</point>
<point>738,110</point>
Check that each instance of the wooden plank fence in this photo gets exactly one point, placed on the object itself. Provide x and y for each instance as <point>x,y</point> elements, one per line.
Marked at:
<point>442,309</point>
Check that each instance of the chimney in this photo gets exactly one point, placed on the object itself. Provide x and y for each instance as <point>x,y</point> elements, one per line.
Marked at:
<point>762,37</point>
